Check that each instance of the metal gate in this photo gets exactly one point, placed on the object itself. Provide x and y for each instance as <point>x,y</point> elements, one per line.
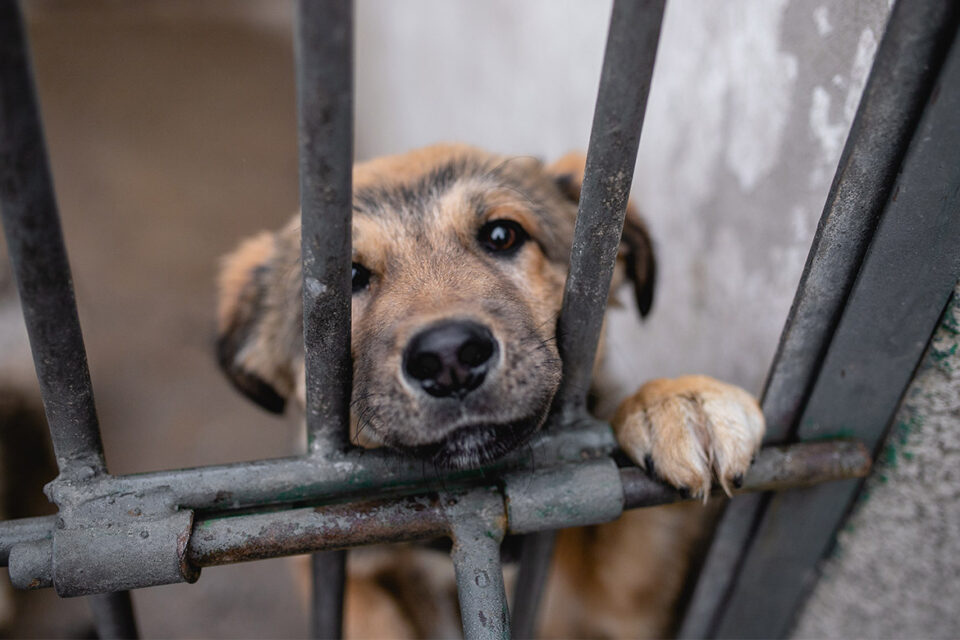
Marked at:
<point>882,266</point>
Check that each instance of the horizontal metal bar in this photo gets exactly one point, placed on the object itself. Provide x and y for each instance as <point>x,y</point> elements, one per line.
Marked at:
<point>39,257</point>
<point>906,278</point>
<point>217,540</point>
<point>324,51</point>
<point>358,472</point>
<point>14,532</point>
<point>227,540</point>
<point>240,538</point>
<point>30,565</point>
<point>611,155</point>
<point>904,70</point>
<point>775,469</point>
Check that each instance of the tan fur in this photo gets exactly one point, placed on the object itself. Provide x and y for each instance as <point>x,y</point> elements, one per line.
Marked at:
<point>235,274</point>
<point>694,429</point>
<point>616,580</point>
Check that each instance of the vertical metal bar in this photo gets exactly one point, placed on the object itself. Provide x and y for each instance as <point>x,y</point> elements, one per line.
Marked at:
<point>31,223</point>
<point>535,556</point>
<point>611,155</point>
<point>324,53</point>
<point>113,616</point>
<point>899,295</point>
<point>35,241</point>
<point>904,71</point>
<point>483,600</point>
<point>329,575</point>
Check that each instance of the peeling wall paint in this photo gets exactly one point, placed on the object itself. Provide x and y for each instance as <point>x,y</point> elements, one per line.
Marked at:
<point>750,104</point>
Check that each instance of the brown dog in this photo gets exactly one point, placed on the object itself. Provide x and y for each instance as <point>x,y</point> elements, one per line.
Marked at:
<point>460,258</point>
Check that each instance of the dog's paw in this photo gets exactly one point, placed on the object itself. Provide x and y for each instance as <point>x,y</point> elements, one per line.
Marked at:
<point>691,430</point>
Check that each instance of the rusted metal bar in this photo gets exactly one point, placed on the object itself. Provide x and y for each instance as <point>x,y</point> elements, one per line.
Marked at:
<point>223,540</point>
<point>611,155</point>
<point>255,537</point>
<point>478,523</point>
<point>31,223</point>
<point>35,242</point>
<point>358,473</point>
<point>324,52</point>
<point>536,554</point>
<point>226,539</point>
<point>113,616</point>
<point>13,532</point>
<point>775,469</point>
<point>329,575</point>
<point>31,565</point>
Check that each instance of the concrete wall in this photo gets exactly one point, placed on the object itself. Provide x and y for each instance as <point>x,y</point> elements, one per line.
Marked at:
<point>894,571</point>
<point>750,105</point>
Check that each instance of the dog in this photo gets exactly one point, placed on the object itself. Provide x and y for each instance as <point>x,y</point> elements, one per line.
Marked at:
<point>459,263</point>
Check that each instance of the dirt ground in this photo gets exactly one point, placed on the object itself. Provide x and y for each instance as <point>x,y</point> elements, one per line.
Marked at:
<point>172,132</point>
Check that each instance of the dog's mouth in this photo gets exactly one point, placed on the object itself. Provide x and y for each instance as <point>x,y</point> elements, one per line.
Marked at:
<point>474,445</point>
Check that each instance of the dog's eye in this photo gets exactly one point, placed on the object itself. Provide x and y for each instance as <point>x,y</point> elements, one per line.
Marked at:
<point>361,277</point>
<point>499,236</point>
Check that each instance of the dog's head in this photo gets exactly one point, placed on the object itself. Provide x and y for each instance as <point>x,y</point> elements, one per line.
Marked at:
<point>459,262</point>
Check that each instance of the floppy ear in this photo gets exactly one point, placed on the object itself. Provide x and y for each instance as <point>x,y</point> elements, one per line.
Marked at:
<point>258,325</point>
<point>636,248</point>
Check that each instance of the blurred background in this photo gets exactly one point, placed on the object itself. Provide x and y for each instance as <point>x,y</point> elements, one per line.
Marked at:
<point>172,131</point>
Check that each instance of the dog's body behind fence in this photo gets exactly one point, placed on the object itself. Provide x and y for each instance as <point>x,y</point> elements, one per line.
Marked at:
<point>459,263</point>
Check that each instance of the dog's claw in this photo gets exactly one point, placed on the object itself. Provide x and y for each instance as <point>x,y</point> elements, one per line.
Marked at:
<point>648,465</point>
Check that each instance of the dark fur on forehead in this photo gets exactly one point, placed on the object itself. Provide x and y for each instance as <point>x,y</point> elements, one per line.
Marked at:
<point>522,175</point>
<point>409,198</point>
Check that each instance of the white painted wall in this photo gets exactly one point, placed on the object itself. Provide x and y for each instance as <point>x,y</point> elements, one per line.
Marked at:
<point>750,105</point>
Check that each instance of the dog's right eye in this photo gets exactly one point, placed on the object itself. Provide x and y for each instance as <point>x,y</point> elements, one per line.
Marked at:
<point>361,277</point>
<point>502,236</point>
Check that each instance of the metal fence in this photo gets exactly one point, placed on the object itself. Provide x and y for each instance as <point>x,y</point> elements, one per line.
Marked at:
<point>879,273</point>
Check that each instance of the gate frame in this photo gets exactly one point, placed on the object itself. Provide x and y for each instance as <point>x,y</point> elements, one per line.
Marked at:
<point>114,533</point>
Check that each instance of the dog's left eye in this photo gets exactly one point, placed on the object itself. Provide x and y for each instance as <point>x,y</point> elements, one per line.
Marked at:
<point>361,277</point>
<point>499,236</point>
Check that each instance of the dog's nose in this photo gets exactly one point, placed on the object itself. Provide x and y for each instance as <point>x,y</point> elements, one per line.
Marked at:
<point>451,358</point>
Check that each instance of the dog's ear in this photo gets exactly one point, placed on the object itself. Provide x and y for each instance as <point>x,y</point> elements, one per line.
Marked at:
<point>256,340</point>
<point>636,247</point>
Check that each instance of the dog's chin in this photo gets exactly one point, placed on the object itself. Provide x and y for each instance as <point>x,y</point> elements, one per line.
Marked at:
<point>474,445</point>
